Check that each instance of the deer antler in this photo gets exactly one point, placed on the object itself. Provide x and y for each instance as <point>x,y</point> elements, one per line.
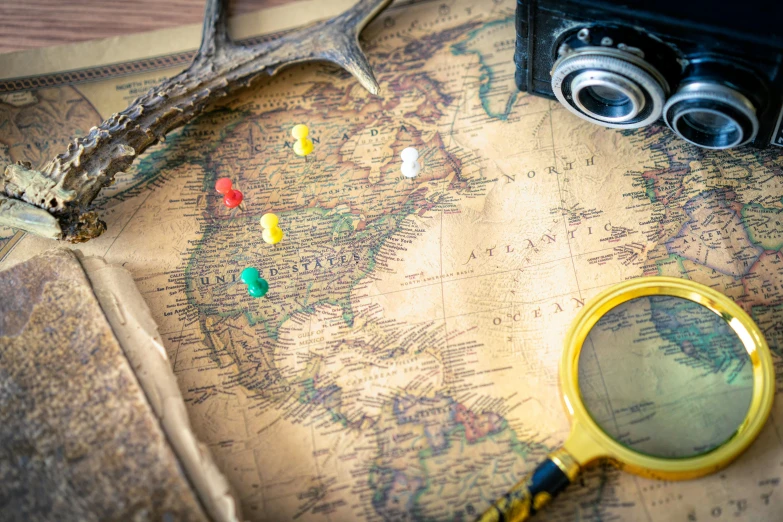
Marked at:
<point>54,201</point>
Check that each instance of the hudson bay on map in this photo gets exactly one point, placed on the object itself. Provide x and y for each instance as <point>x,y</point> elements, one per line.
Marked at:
<point>403,365</point>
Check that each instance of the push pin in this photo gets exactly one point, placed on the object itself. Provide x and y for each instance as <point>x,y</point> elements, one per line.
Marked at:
<point>256,286</point>
<point>303,145</point>
<point>272,233</point>
<point>231,198</point>
<point>410,162</point>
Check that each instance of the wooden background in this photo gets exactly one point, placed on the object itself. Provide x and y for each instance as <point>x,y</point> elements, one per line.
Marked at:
<point>25,24</point>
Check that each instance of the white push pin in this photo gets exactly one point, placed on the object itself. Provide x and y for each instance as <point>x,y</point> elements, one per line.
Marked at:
<point>410,162</point>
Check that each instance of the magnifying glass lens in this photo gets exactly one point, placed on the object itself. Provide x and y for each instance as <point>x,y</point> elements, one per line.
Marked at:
<point>665,376</point>
<point>656,383</point>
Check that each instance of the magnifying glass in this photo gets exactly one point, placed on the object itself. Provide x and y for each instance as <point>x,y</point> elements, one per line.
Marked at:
<point>662,377</point>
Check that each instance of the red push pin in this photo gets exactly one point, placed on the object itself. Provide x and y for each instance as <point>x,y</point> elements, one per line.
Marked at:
<point>232,198</point>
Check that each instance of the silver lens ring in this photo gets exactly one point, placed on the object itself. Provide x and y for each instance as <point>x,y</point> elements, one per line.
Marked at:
<point>711,115</point>
<point>607,96</point>
<point>632,92</point>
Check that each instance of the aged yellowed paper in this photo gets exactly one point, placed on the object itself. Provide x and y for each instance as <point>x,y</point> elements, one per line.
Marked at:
<point>404,362</point>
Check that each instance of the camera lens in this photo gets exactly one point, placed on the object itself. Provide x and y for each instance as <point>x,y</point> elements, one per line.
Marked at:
<point>607,96</point>
<point>711,115</point>
<point>709,121</point>
<point>707,128</point>
<point>610,88</point>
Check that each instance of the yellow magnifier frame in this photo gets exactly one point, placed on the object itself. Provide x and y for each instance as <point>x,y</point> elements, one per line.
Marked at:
<point>588,443</point>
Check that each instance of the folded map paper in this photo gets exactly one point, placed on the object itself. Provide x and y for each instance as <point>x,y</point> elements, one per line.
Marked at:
<point>404,363</point>
<point>80,433</point>
<point>137,334</point>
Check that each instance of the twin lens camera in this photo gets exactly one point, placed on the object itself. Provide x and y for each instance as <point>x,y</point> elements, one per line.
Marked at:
<point>711,70</point>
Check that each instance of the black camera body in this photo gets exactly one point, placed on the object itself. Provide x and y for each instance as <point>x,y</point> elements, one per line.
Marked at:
<point>713,71</point>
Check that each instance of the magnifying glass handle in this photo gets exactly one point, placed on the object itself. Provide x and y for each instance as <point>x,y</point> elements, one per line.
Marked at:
<point>533,492</point>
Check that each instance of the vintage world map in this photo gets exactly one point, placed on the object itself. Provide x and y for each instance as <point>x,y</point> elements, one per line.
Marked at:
<point>404,364</point>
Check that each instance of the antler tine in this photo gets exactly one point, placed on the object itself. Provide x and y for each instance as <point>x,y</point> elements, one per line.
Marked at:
<point>214,34</point>
<point>348,53</point>
<point>335,40</point>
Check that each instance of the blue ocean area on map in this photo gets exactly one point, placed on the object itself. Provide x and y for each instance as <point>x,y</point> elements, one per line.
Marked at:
<point>498,101</point>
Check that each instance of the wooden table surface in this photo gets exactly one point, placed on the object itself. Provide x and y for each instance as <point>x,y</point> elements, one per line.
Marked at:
<point>26,24</point>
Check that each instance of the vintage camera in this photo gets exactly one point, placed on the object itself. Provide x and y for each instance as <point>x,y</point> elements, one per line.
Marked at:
<point>711,70</point>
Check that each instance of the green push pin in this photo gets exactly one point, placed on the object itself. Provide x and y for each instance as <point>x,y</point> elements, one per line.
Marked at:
<point>256,286</point>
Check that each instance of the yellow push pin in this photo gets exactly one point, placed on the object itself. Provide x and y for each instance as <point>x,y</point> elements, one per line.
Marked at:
<point>269,221</point>
<point>272,233</point>
<point>303,145</point>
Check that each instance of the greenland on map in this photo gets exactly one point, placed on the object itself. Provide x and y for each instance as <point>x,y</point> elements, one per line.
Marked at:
<point>403,365</point>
